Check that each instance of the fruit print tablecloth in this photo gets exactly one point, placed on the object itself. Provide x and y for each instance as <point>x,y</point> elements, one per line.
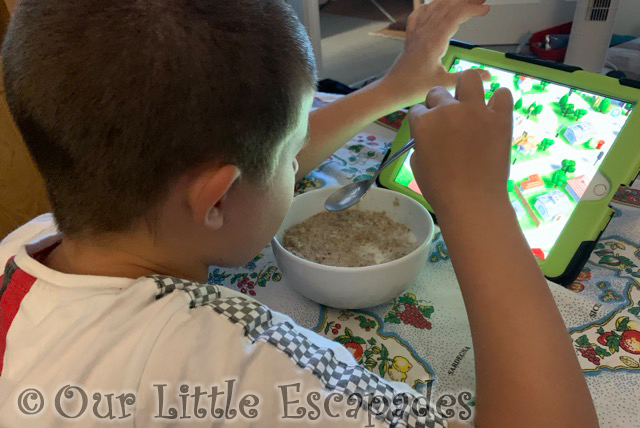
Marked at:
<point>422,337</point>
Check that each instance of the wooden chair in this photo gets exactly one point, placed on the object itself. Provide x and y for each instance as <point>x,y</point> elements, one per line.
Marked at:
<point>22,193</point>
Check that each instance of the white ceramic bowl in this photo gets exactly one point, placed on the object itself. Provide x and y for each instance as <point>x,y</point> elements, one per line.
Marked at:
<point>356,287</point>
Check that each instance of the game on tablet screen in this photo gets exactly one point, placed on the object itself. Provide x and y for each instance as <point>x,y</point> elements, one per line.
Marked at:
<point>561,136</point>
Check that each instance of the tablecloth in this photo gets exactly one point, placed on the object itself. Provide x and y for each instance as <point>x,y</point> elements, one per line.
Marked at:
<point>422,337</point>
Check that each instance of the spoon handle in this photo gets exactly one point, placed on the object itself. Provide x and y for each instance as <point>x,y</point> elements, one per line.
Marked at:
<point>395,156</point>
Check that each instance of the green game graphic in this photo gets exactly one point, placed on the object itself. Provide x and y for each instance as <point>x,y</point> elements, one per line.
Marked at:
<point>561,136</point>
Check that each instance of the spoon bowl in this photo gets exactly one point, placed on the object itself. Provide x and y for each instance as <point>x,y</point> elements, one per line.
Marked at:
<point>350,194</point>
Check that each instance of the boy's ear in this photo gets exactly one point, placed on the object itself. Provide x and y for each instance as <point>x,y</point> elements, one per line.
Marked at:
<point>206,192</point>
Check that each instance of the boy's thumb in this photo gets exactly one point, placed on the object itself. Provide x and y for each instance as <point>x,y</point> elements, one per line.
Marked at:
<point>417,112</point>
<point>416,116</point>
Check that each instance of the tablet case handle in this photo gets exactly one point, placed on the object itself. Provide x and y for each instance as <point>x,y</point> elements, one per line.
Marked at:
<point>461,44</point>
<point>579,259</point>
<point>630,83</point>
<point>544,63</point>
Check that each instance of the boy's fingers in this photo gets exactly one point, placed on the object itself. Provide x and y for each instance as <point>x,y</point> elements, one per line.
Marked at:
<point>449,14</point>
<point>439,96</point>
<point>461,14</point>
<point>454,3</point>
<point>469,88</point>
<point>416,118</point>
<point>452,79</point>
<point>444,17</point>
<point>416,113</point>
<point>484,75</point>
<point>472,10</point>
<point>502,101</point>
<point>412,162</point>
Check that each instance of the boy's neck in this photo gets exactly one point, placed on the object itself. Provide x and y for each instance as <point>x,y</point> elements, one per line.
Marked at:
<point>116,258</point>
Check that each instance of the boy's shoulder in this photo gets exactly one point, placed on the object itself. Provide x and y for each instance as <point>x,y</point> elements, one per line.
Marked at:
<point>37,229</point>
<point>166,335</point>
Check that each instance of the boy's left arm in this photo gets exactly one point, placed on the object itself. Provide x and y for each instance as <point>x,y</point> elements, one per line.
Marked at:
<point>414,73</point>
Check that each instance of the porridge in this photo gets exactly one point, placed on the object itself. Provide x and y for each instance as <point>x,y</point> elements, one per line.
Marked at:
<point>350,238</point>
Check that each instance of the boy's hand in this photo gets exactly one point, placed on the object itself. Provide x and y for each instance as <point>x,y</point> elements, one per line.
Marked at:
<point>462,152</point>
<point>418,69</point>
<point>429,28</point>
<point>461,163</point>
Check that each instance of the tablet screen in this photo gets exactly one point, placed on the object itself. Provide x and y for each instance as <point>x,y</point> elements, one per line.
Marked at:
<point>561,136</point>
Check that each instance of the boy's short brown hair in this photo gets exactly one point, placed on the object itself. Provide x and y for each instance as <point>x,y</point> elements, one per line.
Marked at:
<point>117,99</point>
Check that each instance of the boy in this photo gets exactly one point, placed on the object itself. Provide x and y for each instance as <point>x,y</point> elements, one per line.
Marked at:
<point>169,135</point>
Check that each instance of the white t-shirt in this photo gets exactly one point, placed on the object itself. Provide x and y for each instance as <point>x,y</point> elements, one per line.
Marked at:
<point>89,351</point>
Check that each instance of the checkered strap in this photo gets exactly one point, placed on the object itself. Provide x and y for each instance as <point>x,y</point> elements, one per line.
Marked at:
<point>254,317</point>
<point>373,393</point>
<point>199,294</point>
<point>10,268</point>
<point>353,380</point>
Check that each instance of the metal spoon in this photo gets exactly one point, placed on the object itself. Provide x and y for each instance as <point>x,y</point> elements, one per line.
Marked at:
<point>350,194</point>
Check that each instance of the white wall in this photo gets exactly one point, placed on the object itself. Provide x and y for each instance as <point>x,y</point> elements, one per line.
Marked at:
<point>508,21</point>
<point>628,19</point>
<point>309,13</point>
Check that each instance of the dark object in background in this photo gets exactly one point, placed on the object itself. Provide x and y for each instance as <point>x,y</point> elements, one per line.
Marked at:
<point>331,86</point>
<point>555,41</point>
<point>559,41</point>
<point>616,74</point>
<point>537,41</point>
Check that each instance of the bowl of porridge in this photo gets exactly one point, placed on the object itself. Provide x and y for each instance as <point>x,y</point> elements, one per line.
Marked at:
<point>357,258</point>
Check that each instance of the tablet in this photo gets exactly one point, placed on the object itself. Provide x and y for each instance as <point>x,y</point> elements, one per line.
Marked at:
<point>576,139</point>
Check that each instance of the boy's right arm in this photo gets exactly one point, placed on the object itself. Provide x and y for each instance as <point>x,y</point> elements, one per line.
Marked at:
<point>526,369</point>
